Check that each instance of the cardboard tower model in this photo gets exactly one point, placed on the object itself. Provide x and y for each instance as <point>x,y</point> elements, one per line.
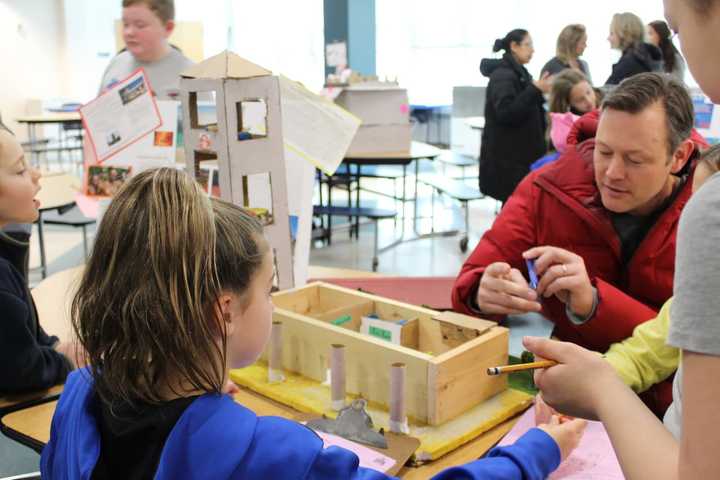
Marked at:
<point>245,137</point>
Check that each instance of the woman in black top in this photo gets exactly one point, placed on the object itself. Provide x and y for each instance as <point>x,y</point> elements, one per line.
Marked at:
<point>571,44</point>
<point>626,34</point>
<point>514,133</point>
<point>29,358</point>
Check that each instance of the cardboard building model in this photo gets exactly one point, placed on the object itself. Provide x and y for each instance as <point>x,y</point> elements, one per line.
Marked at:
<point>245,137</point>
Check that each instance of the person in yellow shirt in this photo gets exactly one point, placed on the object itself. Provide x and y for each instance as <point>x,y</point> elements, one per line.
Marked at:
<point>645,358</point>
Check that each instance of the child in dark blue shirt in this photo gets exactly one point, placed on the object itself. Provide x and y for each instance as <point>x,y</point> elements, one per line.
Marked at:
<point>29,358</point>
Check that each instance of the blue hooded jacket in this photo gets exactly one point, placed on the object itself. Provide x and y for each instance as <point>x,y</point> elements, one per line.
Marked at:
<point>218,438</point>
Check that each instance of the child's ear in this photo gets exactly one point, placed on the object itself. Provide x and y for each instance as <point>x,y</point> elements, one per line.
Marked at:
<point>225,302</point>
<point>169,27</point>
<point>224,311</point>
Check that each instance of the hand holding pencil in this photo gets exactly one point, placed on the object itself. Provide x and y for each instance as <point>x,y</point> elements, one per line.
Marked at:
<point>577,381</point>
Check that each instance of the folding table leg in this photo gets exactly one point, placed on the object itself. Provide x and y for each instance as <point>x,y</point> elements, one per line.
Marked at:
<point>432,212</point>
<point>357,200</point>
<point>464,240</point>
<point>85,244</point>
<point>375,262</point>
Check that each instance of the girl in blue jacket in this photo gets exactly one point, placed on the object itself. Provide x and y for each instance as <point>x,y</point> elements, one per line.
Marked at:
<point>176,292</point>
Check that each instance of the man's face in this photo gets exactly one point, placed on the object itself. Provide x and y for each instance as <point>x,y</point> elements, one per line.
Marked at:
<point>632,164</point>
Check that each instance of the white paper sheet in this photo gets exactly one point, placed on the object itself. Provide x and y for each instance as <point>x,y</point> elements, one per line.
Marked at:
<point>121,116</point>
<point>157,148</point>
<point>314,127</point>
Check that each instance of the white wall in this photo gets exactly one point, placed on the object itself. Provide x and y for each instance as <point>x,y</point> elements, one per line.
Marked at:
<point>31,35</point>
<point>431,48</point>
<point>90,43</point>
<point>285,36</point>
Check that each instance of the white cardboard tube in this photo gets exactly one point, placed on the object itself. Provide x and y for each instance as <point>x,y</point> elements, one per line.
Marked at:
<point>275,367</point>
<point>398,418</point>
<point>337,376</point>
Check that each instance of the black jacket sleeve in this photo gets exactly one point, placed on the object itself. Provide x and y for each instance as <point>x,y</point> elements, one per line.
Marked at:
<point>25,363</point>
<point>624,68</point>
<point>512,107</point>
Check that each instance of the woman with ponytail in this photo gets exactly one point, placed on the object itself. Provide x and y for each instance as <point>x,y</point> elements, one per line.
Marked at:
<point>514,134</point>
<point>658,34</point>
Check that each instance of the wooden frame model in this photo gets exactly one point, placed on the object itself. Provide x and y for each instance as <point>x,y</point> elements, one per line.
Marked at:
<point>241,153</point>
<point>445,354</point>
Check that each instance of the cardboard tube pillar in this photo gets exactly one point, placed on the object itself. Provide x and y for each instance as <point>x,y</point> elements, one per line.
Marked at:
<point>275,365</point>
<point>398,418</point>
<point>337,376</point>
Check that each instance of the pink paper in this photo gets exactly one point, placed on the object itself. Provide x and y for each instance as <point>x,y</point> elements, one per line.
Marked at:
<point>593,459</point>
<point>369,458</point>
<point>87,205</point>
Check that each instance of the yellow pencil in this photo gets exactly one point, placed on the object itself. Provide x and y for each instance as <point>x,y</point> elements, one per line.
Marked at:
<point>520,366</point>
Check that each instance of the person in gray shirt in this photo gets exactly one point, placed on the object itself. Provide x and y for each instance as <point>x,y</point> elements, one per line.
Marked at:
<point>147,25</point>
<point>694,321</point>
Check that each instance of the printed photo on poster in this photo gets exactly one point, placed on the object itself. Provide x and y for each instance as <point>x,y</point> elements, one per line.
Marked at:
<point>105,181</point>
<point>132,90</point>
<point>163,139</point>
<point>112,138</point>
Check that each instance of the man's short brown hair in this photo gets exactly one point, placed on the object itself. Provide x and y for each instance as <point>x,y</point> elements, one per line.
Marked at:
<point>164,9</point>
<point>638,92</point>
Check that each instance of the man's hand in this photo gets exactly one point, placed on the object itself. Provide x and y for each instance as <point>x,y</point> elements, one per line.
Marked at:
<point>563,274</point>
<point>503,290</point>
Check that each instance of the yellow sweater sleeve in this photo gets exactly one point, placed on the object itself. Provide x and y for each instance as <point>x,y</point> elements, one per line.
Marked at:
<point>645,358</point>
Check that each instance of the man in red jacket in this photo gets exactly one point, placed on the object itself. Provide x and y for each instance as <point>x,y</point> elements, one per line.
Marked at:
<point>599,224</point>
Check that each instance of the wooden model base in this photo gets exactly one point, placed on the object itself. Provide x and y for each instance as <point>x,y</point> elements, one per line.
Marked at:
<point>446,355</point>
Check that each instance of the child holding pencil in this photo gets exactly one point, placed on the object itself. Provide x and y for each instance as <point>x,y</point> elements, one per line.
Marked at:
<point>176,292</point>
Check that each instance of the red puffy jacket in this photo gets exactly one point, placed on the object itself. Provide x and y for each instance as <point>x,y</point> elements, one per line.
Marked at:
<point>559,205</point>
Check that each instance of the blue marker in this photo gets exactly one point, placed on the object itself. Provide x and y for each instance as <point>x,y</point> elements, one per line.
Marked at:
<point>532,273</point>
